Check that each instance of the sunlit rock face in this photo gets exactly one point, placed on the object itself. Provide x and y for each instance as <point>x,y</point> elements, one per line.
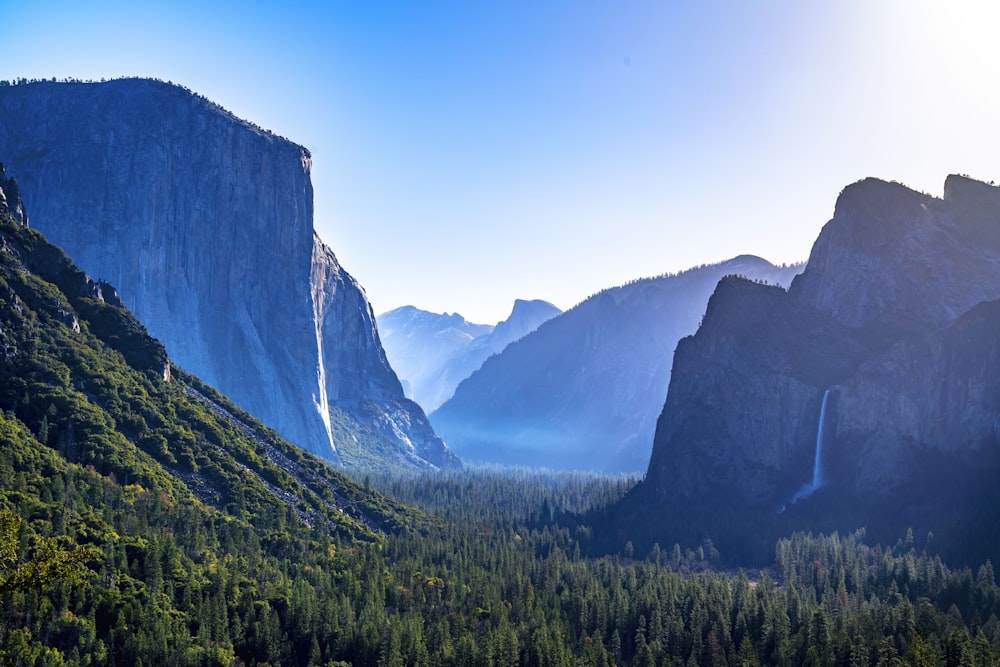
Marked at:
<point>10,198</point>
<point>584,390</point>
<point>204,222</point>
<point>897,314</point>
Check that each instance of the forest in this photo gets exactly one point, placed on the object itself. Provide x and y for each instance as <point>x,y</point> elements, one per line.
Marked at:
<point>145,520</point>
<point>496,582</point>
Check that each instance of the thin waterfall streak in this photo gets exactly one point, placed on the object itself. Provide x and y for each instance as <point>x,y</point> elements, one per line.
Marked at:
<point>322,403</point>
<point>817,476</point>
<point>817,479</point>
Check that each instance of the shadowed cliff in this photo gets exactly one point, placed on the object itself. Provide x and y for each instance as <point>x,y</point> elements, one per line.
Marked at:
<point>897,315</point>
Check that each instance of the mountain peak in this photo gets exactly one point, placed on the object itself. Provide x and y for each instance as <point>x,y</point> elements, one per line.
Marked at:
<point>888,245</point>
<point>894,321</point>
<point>584,389</point>
<point>532,309</point>
<point>874,203</point>
<point>130,90</point>
<point>963,188</point>
<point>432,353</point>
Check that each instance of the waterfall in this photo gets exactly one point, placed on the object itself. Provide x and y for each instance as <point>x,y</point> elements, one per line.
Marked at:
<point>817,480</point>
<point>817,476</point>
<point>322,403</point>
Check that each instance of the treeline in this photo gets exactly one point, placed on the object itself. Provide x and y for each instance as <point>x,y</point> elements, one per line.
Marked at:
<point>508,586</point>
<point>497,584</point>
<point>24,81</point>
<point>675,274</point>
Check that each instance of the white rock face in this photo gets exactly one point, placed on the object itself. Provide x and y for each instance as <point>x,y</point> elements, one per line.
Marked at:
<point>204,223</point>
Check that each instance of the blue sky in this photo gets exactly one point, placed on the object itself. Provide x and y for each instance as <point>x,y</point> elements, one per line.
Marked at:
<point>469,153</point>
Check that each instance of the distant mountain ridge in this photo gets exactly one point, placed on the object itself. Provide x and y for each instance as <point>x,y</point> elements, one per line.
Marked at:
<point>868,393</point>
<point>205,224</point>
<point>432,353</point>
<point>584,390</point>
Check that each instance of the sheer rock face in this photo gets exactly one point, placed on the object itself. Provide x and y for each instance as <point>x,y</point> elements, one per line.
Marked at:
<point>894,256</point>
<point>928,398</point>
<point>896,313</point>
<point>204,222</point>
<point>355,371</point>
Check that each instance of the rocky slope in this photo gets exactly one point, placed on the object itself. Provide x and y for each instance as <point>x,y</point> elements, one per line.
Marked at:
<point>432,353</point>
<point>584,390</point>
<point>897,315</point>
<point>204,222</point>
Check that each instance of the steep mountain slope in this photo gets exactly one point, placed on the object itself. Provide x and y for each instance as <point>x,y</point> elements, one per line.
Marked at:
<point>76,359</point>
<point>584,390</point>
<point>204,222</point>
<point>189,510</point>
<point>433,352</point>
<point>873,380</point>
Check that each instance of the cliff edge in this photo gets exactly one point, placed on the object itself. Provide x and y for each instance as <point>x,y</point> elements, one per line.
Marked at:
<point>205,224</point>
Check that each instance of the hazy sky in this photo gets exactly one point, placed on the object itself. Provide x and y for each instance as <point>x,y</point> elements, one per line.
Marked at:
<point>468,153</point>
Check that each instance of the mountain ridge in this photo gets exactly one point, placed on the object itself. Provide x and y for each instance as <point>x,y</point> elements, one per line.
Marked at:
<point>434,352</point>
<point>67,380</point>
<point>584,390</point>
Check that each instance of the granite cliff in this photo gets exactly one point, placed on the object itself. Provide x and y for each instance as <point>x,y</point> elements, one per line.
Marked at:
<point>895,320</point>
<point>204,222</point>
<point>10,198</point>
<point>584,390</point>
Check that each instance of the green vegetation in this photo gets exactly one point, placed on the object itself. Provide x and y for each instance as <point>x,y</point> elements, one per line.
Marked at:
<point>364,447</point>
<point>163,489</point>
<point>49,566</point>
<point>520,580</point>
<point>146,521</point>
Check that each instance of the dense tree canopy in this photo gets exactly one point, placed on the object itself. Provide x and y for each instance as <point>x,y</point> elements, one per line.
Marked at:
<point>146,521</point>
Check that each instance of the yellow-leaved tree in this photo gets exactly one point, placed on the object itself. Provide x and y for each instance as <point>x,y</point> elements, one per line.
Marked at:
<point>49,565</point>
